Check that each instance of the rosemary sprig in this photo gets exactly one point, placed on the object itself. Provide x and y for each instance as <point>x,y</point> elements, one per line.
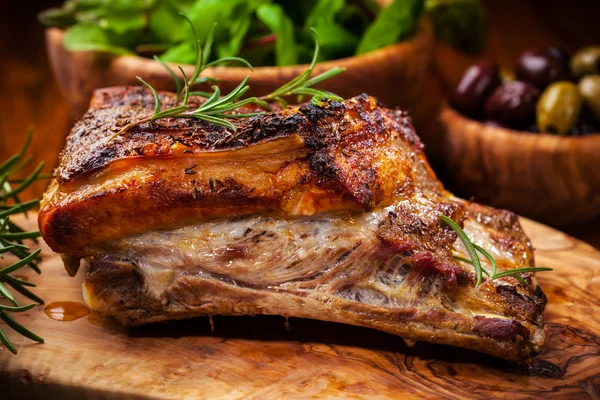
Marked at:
<point>302,85</point>
<point>218,110</point>
<point>473,249</point>
<point>214,109</point>
<point>181,110</point>
<point>11,241</point>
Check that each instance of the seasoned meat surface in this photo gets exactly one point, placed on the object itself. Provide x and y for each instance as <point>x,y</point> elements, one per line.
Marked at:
<point>302,161</point>
<point>328,212</point>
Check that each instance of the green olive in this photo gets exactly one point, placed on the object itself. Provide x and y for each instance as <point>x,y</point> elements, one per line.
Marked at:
<point>589,87</point>
<point>586,62</point>
<point>558,108</point>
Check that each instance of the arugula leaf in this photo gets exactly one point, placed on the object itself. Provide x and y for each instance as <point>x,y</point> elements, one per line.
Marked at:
<point>391,25</point>
<point>281,25</point>
<point>91,37</point>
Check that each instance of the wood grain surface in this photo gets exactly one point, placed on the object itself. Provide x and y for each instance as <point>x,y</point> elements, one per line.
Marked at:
<point>258,358</point>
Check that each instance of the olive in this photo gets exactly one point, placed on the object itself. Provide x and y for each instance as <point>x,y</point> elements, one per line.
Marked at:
<point>540,68</point>
<point>475,86</point>
<point>586,62</point>
<point>559,107</point>
<point>589,87</point>
<point>512,103</point>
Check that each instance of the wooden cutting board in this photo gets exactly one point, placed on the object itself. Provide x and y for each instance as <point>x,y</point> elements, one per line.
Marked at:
<point>259,358</point>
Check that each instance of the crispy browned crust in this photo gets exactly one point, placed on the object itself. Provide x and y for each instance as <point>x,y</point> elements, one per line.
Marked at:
<point>352,155</point>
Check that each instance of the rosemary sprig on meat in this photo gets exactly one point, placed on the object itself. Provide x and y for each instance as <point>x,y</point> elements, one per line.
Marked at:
<point>473,249</point>
<point>219,109</point>
<point>11,241</point>
<point>212,112</point>
<point>303,86</point>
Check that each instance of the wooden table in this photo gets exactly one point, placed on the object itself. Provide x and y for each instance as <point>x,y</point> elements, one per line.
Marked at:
<point>264,357</point>
<point>28,94</point>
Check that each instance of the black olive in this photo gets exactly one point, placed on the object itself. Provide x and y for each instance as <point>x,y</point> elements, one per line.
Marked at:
<point>540,68</point>
<point>513,103</point>
<point>475,86</point>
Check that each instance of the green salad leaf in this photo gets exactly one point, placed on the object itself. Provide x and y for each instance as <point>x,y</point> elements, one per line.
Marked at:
<point>280,24</point>
<point>392,24</point>
<point>205,13</point>
<point>238,29</point>
<point>162,20</point>
<point>125,15</point>
<point>90,37</point>
<point>182,53</point>
<point>265,32</point>
<point>336,40</point>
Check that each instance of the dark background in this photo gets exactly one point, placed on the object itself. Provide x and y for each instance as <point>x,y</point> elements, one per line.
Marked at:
<point>29,95</point>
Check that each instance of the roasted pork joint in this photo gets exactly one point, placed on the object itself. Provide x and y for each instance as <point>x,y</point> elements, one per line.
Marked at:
<point>327,212</point>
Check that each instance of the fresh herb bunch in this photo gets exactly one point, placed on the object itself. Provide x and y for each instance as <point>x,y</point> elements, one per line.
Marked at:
<point>265,32</point>
<point>473,249</point>
<point>11,241</point>
<point>216,109</point>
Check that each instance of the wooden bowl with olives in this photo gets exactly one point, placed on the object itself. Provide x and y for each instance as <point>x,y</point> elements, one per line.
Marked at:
<point>529,142</point>
<point>395,74</point>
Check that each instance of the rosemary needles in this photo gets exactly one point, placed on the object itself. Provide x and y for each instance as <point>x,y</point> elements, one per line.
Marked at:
<point>219,109</point>
<point>303,86</point>
<point>473,249</point>
<point>11,241</point>
<point>213,112</point>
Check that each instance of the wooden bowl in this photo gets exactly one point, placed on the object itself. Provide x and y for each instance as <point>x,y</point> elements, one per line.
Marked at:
<point>550,178</point>
<point>395,74</point>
